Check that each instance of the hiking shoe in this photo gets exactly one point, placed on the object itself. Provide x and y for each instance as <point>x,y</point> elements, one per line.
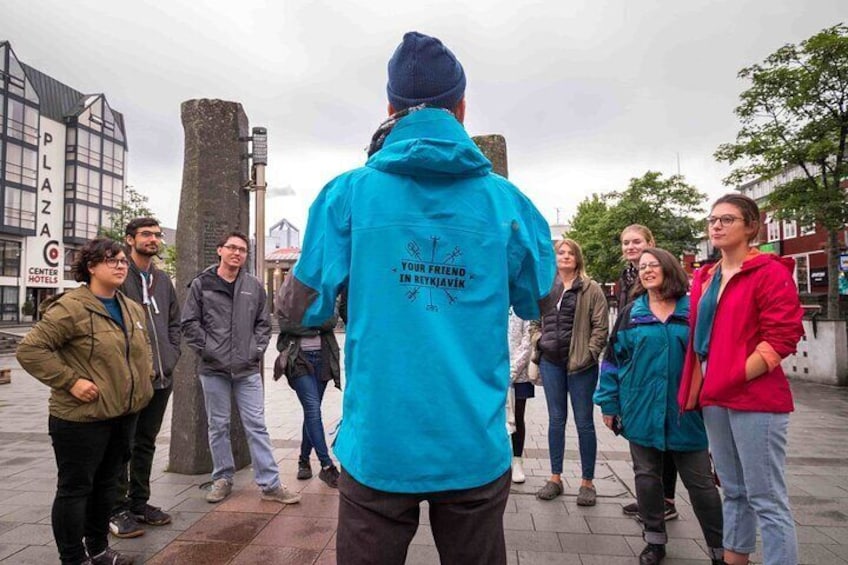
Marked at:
<point>221,489</point>
<point>124,525</point>
<point>670,512</point>
<point>330,475</point>
<point>111,557</point>
<point>282,495</point>
<point>586,496</point>
<point>152,515</point>
<point>631,509</point>
<point>304,469</point>
<point>550,491</point>
<point>653,554</point>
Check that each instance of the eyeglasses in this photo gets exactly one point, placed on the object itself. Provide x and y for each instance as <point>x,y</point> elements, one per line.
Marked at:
<point>235,248</point>
<point>146,233</point>
<point>115,263</point>
<point>652,265</point>
<point>725,220</point>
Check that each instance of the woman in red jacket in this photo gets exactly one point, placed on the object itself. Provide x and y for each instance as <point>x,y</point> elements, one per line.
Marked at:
<point>745,317</point>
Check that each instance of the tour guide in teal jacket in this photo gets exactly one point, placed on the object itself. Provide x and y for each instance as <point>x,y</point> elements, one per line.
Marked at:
<point>640,376</point>
<point>434,248</point>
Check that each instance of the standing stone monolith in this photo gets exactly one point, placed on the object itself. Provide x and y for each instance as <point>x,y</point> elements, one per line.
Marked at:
<point>494,148</point>
<point>212,203</point>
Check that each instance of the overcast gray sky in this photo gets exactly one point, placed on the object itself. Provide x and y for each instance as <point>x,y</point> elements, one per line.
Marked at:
<point>587,93</point>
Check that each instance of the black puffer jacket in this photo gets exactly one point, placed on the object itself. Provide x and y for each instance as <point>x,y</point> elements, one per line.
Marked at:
<point>558,325</point>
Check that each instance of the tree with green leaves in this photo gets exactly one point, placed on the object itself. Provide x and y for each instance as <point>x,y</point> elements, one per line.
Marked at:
<point>669,206</point>
<point>794,120</point>
<point>134,205</point>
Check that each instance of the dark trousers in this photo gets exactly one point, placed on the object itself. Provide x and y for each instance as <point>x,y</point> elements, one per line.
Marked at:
<point>134,479</point>
<point>89,457</point>
<point>520,428</point>
<point>697,476</point>
<point>669,477</point>
<point>376,527</point>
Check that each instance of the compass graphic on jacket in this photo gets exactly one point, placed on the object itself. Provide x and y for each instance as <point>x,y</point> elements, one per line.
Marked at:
<point>433,273</point>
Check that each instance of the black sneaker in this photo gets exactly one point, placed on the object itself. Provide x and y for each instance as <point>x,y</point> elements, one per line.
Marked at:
<point>330,475</point>
<point>653,554</point>
<point>631,509</point>
<point>304,469</point>
<point>152,515</point>
<point>670,512</point>
<point>111,557</point>
<point>124,525</point>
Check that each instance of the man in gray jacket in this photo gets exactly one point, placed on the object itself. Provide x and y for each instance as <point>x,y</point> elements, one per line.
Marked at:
<point>151,288</point>
<point>225,320</point>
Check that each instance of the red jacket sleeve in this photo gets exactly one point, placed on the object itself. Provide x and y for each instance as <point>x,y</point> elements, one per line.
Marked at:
<point>780,310</point>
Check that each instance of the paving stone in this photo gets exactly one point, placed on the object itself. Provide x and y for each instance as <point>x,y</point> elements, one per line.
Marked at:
<point>253,554</point>
<point>676,548</point>
<point>518,521</point>
<point>615,526</point>
<point>33,555</point>
<point>532,541</point>
<point>153,540</point>
<point>28,514</point>
<point>595,544</point>
<point>315,506</point>
<point>230,527</point>
<point>837,534</point>
<point>422,555</point>
<point>28,534</point>
<point>327,557</point>
<point>423,536</point>
<point>811,534</point>
<point>588,559</point>
<point>7,549</point>
<point>185,552</point>
<point>560,523</point>
<point>297,531</point>
<point>816,554</point>
<point>547,558</point>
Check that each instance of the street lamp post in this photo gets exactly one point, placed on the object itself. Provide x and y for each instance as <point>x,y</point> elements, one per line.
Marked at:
<point>259,156</point>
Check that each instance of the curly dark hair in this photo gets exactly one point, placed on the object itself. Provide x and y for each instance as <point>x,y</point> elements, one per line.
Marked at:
<point>93,253</point>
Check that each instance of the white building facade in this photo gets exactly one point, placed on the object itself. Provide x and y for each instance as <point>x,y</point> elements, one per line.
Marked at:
<point>62,171</point>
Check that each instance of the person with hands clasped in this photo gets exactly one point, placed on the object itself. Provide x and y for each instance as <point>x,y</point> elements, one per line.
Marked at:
<point>746,317</point>
<point>637,394</point>
<point>91,348</point>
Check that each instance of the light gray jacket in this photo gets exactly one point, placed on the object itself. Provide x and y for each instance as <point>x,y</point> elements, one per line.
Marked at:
<point>230,333</point>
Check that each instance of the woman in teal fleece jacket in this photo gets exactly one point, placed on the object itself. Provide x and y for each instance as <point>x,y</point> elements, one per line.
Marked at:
<point>637,394</point>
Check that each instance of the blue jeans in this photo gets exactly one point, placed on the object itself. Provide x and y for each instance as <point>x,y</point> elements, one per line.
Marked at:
<point>749,452</point>
<point>310,391</point>
<point>558,384</point>
<point>249,395</point>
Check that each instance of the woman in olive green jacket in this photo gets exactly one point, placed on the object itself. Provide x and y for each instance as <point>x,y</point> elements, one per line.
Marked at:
<point>91,348</point>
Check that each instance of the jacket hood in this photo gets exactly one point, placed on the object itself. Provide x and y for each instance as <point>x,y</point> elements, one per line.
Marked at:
<point>80,294</point>
<point>430,143</point>
<point>754,260</point>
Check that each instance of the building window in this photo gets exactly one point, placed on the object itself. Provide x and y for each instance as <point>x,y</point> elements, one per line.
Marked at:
<point>22,123</point>
<point>70,259</point>
<point>802,278</point>
<point>21,165</point>
<point>19,208</point>
<point>772,229</point>
<point>84,185</point>
<point>9,304</point>
<point>10,258</point>
<point>808,230</point>
<point>113,192</point>
<point>790,229</point>
<point>83,222</point>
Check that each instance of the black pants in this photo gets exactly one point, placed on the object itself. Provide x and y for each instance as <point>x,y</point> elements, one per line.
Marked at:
<point>669,477</point>
<point>134,479</point>
<point>89,457</point>
<point>520,428</point>
<point>376,527</point>
<point>697,476</point>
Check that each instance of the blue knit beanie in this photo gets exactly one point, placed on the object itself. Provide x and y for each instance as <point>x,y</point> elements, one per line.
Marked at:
<point>424,71</point>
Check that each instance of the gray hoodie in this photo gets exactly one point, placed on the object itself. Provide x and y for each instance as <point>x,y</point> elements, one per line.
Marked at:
<point>227,325</point>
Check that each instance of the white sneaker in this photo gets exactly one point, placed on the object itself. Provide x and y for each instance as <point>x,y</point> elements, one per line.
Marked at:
<point>221,489</point>
<point>518,470</point>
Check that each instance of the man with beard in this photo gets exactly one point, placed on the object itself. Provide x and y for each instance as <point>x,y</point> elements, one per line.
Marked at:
<point>153,289</point>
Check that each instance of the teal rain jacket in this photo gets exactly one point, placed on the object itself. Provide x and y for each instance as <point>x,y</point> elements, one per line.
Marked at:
<point>434,248</point>
<point>640,376</point>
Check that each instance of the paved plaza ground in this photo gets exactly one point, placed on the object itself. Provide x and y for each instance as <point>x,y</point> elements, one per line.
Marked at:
<point>245,530</point>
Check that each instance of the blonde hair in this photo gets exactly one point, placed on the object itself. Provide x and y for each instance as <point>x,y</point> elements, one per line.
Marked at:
<point>580,268</point>
<point>644,230</point>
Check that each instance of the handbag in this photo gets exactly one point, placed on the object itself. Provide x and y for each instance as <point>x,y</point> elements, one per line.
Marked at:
<point>534,375</point>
